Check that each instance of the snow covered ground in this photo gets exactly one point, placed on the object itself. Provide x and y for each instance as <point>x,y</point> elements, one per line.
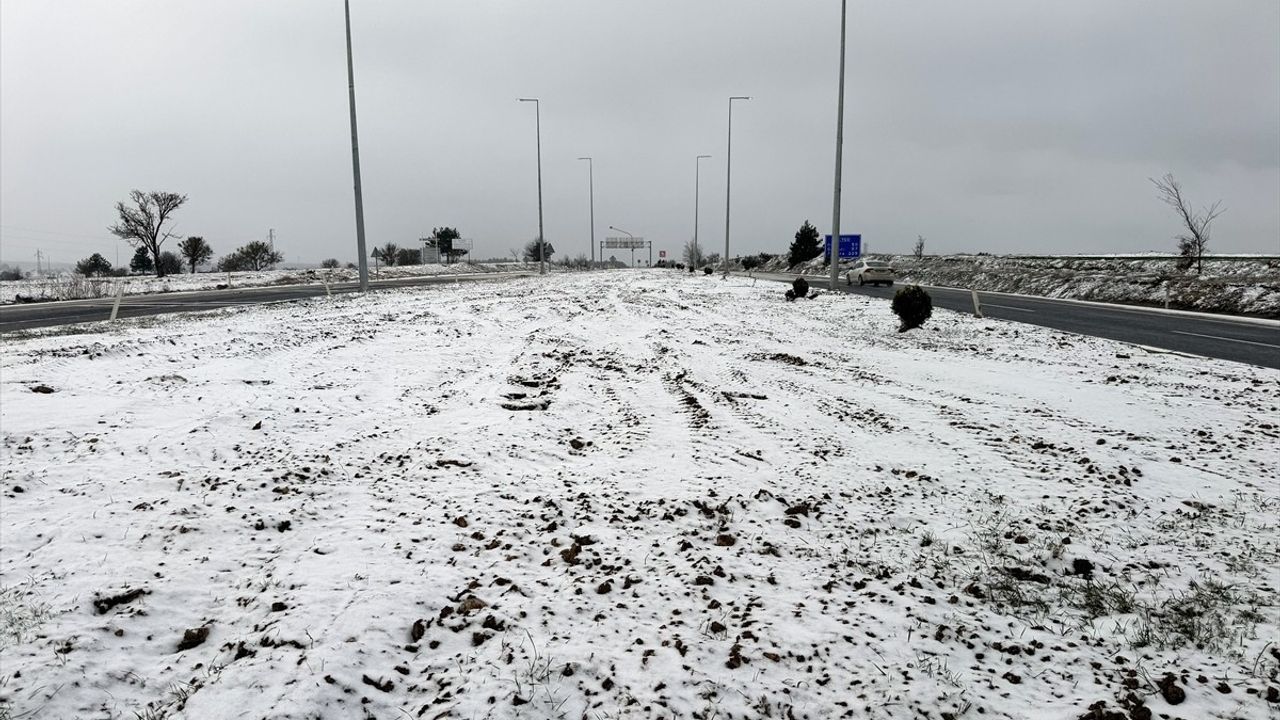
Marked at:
<point>69,286</point>
<point>630,495</point>
<point>1238,284</point>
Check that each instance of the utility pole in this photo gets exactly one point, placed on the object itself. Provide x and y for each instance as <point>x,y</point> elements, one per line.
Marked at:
<point>271,238</point>
<point>835,211</point>
<point>355,157</point>
<point>38,262</point>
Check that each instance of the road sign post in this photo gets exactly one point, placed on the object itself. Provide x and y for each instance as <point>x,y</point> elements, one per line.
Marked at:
<point>625,243</point>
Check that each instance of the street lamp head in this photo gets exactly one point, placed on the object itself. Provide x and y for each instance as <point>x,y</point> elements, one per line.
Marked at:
<point>740,97</point>
<point>703,156</point>
<point>584,158</point>
<point>529,100</point>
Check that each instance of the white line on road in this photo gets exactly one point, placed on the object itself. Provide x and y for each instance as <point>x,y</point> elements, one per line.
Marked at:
<point>1006,307</point>
<point>1217,337</point>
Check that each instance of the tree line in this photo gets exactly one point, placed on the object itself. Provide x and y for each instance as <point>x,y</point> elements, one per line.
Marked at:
<point>144,222</point>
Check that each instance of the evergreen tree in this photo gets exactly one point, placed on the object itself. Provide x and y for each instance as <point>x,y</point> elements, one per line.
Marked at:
<point>94,266</point>
<point>806,246</point>
<point>141,262</point>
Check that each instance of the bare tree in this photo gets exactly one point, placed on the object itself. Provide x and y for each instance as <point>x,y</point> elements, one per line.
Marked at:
<point>142,224</point>
<point>919,249</point>
<point>1192,243</point>
<point>692,255</point>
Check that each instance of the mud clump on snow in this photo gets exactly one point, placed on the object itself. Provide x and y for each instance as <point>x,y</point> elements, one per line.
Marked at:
<point>104,604</point>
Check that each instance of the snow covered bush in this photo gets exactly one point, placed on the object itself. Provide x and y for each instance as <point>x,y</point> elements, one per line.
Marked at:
<point>913,306</point>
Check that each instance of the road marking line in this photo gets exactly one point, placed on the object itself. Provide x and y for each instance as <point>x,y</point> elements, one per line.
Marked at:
<point>1007,307</point>
<point>1217,337</point>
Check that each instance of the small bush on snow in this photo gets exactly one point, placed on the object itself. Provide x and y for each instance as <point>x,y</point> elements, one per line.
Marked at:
<point>913,306</point>
<point>799,289</point>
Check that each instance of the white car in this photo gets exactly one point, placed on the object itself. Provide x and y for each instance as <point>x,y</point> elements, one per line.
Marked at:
<point>870,271</point>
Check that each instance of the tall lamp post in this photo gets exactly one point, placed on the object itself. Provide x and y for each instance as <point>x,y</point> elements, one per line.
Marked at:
<point>633,246</point>
<point>728,170</point>
<point>591,180</point>
<point>697,185</point>
<point>542,240</point>
<point>355,157</point>
<point>835,209</point>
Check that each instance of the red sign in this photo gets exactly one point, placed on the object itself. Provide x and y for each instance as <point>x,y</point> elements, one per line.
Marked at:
<point>662,253</point>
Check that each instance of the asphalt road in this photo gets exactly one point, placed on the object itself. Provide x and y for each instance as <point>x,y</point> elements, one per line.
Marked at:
<point>1223,337</point>
<point>48,314</point>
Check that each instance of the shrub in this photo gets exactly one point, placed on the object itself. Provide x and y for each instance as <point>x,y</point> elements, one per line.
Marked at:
<point>913,306</point>
<point>706,270</point>
<point>230,263</point>
<point>750,262</point>
<point>799,289</point>
<point>255,255</point>
<point>168,264</point>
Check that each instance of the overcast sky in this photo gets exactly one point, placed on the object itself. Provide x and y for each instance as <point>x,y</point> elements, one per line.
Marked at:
<point>992,125</point>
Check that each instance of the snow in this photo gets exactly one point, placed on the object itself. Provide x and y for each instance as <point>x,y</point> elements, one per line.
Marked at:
<point>629,494</point>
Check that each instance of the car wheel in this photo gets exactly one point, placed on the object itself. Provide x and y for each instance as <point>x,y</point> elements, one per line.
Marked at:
<point>890,283</point>
<point>861,282</point>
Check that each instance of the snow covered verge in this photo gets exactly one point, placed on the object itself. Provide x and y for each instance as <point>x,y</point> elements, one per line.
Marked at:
<point>1239,285</point>
<point>71,287</point>
<point>630,495</point>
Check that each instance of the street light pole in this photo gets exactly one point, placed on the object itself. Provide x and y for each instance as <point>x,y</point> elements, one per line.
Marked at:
<point>542,240</point>
<point>728,170</point>
<point>355,157</point>
<point>591,180</point>
<point>835,209</point>
<point>697,185</point>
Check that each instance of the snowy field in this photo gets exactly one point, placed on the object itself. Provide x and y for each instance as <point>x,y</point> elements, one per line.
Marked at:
<point>69,286</point>
<point>630,495</point>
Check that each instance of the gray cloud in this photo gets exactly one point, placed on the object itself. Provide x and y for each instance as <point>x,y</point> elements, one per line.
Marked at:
<point>986,126</point>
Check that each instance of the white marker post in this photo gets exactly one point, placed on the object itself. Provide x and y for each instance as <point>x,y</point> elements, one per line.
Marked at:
<point>115,307</point>
<point>977,306</point>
